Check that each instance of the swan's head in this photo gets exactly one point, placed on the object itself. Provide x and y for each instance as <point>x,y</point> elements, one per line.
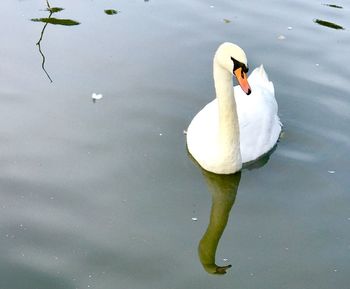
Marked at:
<point>232,58</point>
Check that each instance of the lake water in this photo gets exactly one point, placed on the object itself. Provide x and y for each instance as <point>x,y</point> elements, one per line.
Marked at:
<point>104,195</point>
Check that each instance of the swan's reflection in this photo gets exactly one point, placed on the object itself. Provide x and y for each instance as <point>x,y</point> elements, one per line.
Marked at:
<point>223,189</point>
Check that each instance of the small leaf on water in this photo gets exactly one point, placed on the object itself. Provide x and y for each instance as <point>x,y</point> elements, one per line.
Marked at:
<point>55,21</point>
<point>111,11</point>
<point>55,9</point>
<point>328,24</point>
<point>333,6</point>
<point>227,21</point>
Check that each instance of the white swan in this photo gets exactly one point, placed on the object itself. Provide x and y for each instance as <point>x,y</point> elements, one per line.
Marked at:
<point>241,124</point>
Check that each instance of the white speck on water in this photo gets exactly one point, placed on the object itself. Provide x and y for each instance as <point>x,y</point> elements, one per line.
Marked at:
<point>259,236</point>
<point>96,96</point>
<point>281,37</point>
<point>317,64</point>
<point>185,132</point>
<point>286,248</point>
<point>290,28</point>
<point>331,172</point>
<point>160,134</point>
<point>225,259</point>
<point>211,6</point>
<point>194,219</point>
<point>251,274</point>
<point>335,270</point>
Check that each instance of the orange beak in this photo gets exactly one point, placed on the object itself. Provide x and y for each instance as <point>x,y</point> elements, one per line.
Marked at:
<point>242,80</point>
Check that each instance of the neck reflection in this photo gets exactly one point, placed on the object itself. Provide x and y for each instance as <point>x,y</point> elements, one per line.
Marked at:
<point>223,189</point>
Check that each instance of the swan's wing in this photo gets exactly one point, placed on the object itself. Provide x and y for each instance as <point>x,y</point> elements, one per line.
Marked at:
<point>259,77</point>
<point>257,113</point>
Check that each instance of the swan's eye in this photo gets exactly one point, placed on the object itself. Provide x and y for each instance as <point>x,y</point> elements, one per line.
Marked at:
<point>237,64</point>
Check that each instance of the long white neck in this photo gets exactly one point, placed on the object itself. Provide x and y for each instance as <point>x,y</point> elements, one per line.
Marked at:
<point>228,118</point>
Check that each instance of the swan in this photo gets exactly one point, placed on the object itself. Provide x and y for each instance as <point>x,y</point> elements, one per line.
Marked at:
<point>241,123</point>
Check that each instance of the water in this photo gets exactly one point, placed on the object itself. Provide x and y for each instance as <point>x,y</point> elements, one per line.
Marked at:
<point>104,195</point>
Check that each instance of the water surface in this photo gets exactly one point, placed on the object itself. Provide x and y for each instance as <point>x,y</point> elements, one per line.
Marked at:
<point>104,195</point>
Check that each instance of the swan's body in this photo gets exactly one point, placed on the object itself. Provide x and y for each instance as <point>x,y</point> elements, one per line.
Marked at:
<point>234,128</point>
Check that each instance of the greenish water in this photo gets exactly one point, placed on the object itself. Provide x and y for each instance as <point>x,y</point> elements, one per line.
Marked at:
<point>104,195</point>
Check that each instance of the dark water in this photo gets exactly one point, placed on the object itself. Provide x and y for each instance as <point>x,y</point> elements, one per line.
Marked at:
<point>104,195</point>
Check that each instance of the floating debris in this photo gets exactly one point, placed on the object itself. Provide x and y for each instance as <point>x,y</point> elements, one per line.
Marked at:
<point>54,9</point>
<point>194,219</point>
<point>227,21</point>
<point>184,132</point>
<point>111,12</point>
<point>289,27</point>
<point>317,64</point>
<point>225,259</point>
<point>56,21</point>
<point>333,6</point>
<point>329,24</point>
<point>96,97</point>
<point>211,6</point>
<point>331,172</point>
<point>160,134</point>
<point>281,37</point>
